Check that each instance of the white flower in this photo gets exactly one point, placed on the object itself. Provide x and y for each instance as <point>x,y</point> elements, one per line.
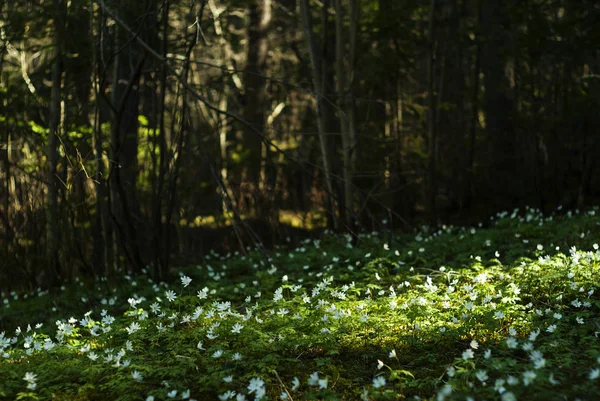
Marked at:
<point>255,384</point>
<point>487,354</point>
<point>379,381</point>
<point>392,353</point>
<point>380,364</point>
<point>228,379</point>
<point>594,374</point>
<point>172,393</point>
<point>508,396</point>
<point>444,392</point>
<point>295,384</point>
<point>528,377</point>
<point>323,383</point>
<point>133,327</point>
<point>481,375</point>
<point>237,356</point>
<point>202,294</point>
<point>551,328</point>
<point>237,328</point>
<point>217,354</point>
<point>511,342</point>
<point>499,386</point>
<point>278,295</point>
<point>199,345</point>
<point>260,393</point>
<point>185,280</point>
<point>227,395</point>
<point>533,335</point>
<point>313,379</point>
<point>451,371</point>
<point>528,346</point>
<point>170,295</point>
<point>474,344</point>
<point>137,376</point>
<point>468,354</point>
<point>30,377</point>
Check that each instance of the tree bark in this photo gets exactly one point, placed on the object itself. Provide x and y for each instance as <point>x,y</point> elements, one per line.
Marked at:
<point>52,232</point>
<point>161,251</point>
<point>255,86</point>
<point>317,71</point>
<point>124,140</point>
<point>432,119</point>
<point>344,75</point>
<point>505,181</point>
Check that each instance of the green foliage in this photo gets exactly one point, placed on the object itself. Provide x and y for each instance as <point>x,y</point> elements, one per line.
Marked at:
<point>504,312</point>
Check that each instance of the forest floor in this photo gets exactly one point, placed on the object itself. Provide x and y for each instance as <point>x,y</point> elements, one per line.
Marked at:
<point>509,310</point>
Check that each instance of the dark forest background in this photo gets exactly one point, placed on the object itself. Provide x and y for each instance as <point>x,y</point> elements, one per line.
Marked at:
<point>145,132</point>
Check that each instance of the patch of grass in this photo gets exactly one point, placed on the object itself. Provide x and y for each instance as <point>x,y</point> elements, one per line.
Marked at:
<point>508,310</point>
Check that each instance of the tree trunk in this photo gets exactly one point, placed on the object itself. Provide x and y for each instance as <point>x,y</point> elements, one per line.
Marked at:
<point>52,232</point>
<point>255,86</point>
<point>505,181</point>
<point>344,75</point>
<point>467,195</point>
<point>124,143</point>
<point>317,70</point>
<point>161,251</point>
<point>432,119</point>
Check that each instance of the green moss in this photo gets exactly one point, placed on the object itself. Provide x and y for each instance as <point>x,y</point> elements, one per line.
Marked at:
<point>418,304</point>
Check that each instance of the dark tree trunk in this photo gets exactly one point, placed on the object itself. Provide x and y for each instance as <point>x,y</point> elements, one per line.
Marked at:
<point>124,139</point>
<point>52,231</point>
<point>255,105</point>
<point>504,187</point>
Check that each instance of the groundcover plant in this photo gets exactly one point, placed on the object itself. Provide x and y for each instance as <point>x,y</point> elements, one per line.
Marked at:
<point>507,310</point>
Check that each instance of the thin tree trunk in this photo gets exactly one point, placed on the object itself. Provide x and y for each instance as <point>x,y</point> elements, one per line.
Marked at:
<point>470,165</point>
<point>432,118</point>
<point>506,181</point>
<point>223,143</point>
<point>344,74</point>
<point>161,252</point>
<point>316,63</point>
<point>52,234</point>
<point>255,97</point>
<point>183,129</point>
<point>226,57</point>
<point>129,60</point>
<point>124,155</point>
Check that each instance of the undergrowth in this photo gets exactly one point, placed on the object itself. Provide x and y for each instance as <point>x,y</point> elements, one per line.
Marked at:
<point>505,311</point>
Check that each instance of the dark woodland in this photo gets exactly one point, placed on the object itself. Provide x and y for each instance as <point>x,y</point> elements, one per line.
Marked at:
<point>140,134</point>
